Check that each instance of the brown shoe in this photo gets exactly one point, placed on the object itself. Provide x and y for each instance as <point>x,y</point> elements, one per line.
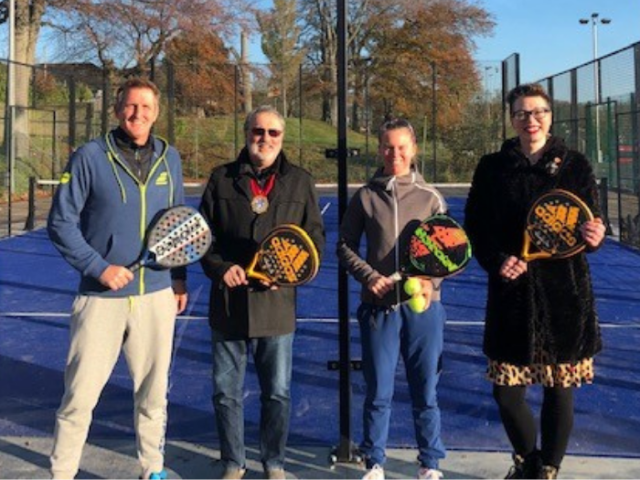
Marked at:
<point>233,473</point>
<point>276,474</point>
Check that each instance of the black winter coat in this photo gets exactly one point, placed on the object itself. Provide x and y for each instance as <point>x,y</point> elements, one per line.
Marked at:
<point>556,292</point>
<point>254,311</point>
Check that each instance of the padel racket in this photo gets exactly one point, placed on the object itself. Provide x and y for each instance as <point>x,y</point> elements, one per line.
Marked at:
<point>287,256</point>
<point>553,226</point>
<point>438,248</point>
<point>180,236</point>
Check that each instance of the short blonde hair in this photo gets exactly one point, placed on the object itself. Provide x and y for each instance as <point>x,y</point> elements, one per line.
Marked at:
<point>135,82</point>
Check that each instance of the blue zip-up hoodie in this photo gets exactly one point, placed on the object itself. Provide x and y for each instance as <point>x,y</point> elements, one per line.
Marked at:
<point>101,212</point>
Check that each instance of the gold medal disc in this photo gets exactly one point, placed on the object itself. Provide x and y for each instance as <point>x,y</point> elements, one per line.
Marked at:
<point>259,204</point>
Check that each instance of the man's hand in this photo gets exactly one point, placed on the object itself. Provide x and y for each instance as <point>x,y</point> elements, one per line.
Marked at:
<point>235,276</point>
<point>180,292</point>
<point>116,277</point>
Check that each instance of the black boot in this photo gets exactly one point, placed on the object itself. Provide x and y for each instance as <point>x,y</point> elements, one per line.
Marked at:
<point>548,472</point>
<point>517,469</point>
<point>525,467</point>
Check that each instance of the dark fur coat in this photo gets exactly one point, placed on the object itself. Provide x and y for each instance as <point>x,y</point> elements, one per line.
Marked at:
<point>552,305</point>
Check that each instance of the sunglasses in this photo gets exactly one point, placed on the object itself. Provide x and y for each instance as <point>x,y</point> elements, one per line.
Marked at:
<point>259,132</point>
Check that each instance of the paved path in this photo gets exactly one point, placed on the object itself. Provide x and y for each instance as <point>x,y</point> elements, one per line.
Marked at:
<point>23,457</point>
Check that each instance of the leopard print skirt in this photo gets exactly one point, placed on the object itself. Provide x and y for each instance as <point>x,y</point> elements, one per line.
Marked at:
<point>541,371</point>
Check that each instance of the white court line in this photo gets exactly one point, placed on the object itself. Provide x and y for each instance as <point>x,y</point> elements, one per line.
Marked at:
<point>300,320</point>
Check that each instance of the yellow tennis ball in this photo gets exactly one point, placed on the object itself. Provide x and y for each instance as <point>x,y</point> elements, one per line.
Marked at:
<point>412,286</point>
<point>418,303</point>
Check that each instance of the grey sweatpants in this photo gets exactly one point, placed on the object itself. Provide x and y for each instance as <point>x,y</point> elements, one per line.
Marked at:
<point>142,327</point>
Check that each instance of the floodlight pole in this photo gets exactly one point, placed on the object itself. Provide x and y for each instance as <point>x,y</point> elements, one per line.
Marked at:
<point>594,21</point>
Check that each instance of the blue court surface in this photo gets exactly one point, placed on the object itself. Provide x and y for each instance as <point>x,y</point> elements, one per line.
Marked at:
<point>37,288</point>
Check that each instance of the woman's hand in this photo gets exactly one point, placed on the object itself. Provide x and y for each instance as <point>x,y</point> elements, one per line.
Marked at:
<point>593,232</point>
<point>512,268</point>
<point>381,285</point>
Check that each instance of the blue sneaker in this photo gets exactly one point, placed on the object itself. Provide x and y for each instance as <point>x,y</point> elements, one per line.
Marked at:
<point>161,475</point>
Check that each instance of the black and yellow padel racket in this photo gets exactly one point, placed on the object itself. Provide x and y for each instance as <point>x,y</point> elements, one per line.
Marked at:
<point>553,226</point>
<point>286,257</point>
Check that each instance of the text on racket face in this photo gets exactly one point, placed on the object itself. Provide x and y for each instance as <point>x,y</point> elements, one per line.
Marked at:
<point>442,237</point>
<point>180,237</point>
<point>291,258</point>
<point>561,220</point>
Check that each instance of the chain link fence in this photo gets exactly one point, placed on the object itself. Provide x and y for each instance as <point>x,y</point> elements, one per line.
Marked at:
<point>203,107</point>
<point>596,108</point>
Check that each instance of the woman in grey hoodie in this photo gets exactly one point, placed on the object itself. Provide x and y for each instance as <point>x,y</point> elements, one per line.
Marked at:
<point>386,211</point>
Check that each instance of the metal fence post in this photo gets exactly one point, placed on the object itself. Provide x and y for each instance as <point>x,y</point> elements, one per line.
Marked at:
<point>31,212</point>
<point>603,186</point>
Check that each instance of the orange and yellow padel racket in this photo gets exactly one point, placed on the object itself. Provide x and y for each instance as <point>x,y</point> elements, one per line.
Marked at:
<point>553,226</point>
<point>287,257</point>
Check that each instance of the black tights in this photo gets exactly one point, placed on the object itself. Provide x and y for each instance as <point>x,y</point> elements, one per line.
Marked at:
<point>556,421</point>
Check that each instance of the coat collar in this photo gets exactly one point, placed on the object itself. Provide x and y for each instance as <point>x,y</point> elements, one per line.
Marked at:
<point>242,171</point>
<point>552,160</point>
<point>386,182</point>
<point>281,166</point>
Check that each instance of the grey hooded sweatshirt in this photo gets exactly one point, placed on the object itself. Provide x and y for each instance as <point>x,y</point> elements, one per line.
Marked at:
<point>386,210</point>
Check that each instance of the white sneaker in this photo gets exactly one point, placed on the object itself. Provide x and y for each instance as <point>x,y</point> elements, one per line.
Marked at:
<point>429,474</point>
<point>375,473</point>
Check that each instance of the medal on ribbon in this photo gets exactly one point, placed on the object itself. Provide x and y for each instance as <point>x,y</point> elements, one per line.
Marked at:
<point>260,202</point>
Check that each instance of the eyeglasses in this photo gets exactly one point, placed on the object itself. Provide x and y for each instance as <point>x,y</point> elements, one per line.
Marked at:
<point>538,114</point>
<point>259,132</point>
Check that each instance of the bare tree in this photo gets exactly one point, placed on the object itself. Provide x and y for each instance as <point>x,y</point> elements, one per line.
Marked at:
<point>321,41</point>
<point>134,33</point>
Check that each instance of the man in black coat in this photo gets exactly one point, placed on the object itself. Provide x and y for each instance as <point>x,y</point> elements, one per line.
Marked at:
<point>243,201</point>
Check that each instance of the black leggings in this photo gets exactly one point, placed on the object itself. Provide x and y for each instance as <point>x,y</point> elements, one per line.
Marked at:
<point>556,421</point>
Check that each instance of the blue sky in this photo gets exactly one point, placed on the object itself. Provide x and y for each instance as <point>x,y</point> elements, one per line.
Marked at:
<point>546,33</point>
<point>549,37</point>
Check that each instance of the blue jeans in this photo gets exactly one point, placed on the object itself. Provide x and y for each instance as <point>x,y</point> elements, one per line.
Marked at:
<point>386,333</point>
<point>272,358</point>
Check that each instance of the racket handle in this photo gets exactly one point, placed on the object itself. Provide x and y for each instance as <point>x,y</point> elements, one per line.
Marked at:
<point>396,277</point>
<point>136,266</point>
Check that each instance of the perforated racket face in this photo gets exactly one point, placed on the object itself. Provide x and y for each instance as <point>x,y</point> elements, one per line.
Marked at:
<point>553,223</point>
<point>439,247</point>
<point>180,236</point>
<point>288,256</point>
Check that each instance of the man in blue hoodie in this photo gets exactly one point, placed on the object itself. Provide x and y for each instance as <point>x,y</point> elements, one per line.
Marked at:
<point>109,193</point>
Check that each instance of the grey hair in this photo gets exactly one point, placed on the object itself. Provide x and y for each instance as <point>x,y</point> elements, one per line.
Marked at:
<point>257,111</point>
